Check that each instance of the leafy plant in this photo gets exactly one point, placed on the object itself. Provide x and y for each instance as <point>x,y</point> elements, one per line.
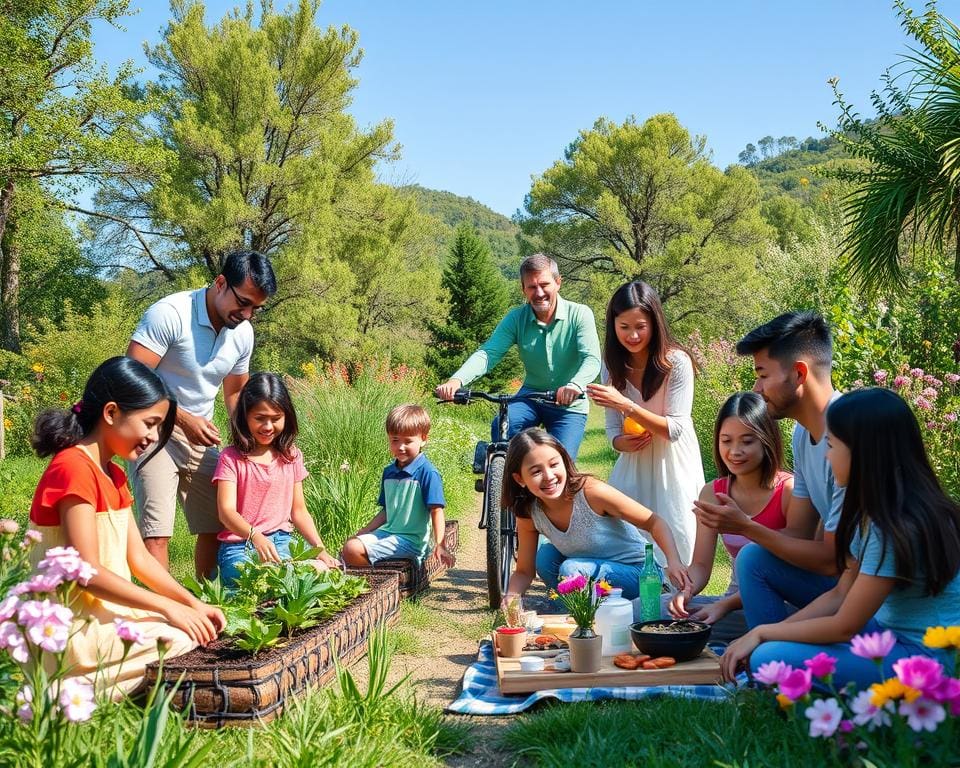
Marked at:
<point>255,635</point>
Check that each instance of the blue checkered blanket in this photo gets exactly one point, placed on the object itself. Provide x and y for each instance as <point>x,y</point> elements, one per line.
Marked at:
<point>481,694</point>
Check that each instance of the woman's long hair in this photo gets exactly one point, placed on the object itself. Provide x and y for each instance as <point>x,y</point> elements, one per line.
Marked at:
<point>515,495</point>
<point>749,408</point>
<point>265,388</point>
<point>893,488</point>
<point>121,380</point>
<point>638,295</point>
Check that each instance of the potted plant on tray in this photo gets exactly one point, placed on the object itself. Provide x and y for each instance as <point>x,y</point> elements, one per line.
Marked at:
<point>581,596</point>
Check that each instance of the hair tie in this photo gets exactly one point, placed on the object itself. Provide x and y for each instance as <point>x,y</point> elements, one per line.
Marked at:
<point>77,407</point>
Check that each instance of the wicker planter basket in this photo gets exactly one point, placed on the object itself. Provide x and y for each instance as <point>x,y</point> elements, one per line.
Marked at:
<point>247,690</point>
<point>415,579</point>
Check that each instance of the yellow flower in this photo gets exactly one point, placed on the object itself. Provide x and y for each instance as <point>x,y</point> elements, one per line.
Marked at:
<point>26,389</point>
<point>927,344</point>
<point>784,701</point>
<point>309,370</point>
<point>37,367</point>
<point>936,637</point>
<point>7,424</point>
<point>604,585</point>
<point>554,595</point>
<point>891,690</point>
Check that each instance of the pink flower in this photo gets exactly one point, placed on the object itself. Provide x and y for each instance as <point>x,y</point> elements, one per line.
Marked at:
<point>920,672</point>
<point>901,381</point>
<point>9,526</point>
<point>866,713</point>
<point>12,639</point>
<point>922,714</point>
<point>917,373</point>
<point>950,417</point>
<point>31,537</point>
<point>846,726</point>
<point>66,562</point>
<point>76,699</point>
<point>923,404</point>
<point>8,607</point>
<point>952,378</point>
<point>933,381</point>
<point>129,633</point>
<point>47,624</point>
<point>796,683</point>
<point>25,700</point>
<point>880,376</point>
<point>857,384</point>
<point>873,645</point>
<point>44,582</point>
<point>572,584</point>
<point>772,672</point>
<point>930,393</point>
<point>947,691</point>
<point>931,425</point>
<point>821,665</point>
<point>824,716</point>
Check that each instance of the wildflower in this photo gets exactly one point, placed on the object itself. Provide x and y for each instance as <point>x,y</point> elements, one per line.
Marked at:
<point>12,639</point>
<point>784,702</point>
<point>76,699</point>
<point>873,645</point>
<point>927,344</point>
<point>880,376</point>
<point>47,624</point>
<point>824,716</point>
<point>772,672</point>
<point>948,690</point>
<point>602,588</point>
<point>920,672</point>
<point>857,384</point>
<point>9,526</point>
<point>8,608</point>
<point>952,378</point>
<point>345,466</point>
<point>129,633</point>
<point>931,425</point>
<point>923,404</point>
<point>572,584</point>
<point>821,665</point>
<point>930,393</point>
<point>942,637</point>
<point>891,690</point>
<point>846,726</point>
<point>7,424</point>
<point>917,373</point>
<point>900,382</point>
<point>796,683</point>
<point>67,562</point>
<point>164,644</point>
<point>922,714</point>
<point>25,700</point>
<point>37,367</point>
<point>44,582</point>
<point>865,712</point>
<point>932,381</point>
<point>951,417</point>
<point>34,537</point>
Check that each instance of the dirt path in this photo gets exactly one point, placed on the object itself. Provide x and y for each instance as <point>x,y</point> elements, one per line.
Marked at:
<point>438,636</point>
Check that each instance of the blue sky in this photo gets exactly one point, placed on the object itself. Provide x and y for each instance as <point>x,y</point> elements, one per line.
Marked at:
<point>486,94</point>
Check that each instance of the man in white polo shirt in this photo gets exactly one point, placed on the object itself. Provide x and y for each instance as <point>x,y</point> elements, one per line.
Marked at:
<point>196,341</point>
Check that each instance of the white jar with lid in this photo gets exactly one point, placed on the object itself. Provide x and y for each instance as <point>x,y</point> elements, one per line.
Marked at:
<point>612,623</point>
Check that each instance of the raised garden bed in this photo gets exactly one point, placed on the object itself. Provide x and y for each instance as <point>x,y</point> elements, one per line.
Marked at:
<point>415,579</point>
<point>223,686</point>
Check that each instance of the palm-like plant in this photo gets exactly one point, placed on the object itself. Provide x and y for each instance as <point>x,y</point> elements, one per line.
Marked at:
<point>911,185</point>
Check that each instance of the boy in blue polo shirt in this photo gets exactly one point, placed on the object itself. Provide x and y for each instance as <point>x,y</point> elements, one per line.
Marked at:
<point>411,497</point>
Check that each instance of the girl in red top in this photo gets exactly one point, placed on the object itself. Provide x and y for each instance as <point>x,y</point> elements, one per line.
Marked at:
<point>82,501</point>
<point>748,453</point>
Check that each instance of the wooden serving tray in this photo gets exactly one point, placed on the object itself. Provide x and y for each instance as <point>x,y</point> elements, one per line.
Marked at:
<point>704,670</point>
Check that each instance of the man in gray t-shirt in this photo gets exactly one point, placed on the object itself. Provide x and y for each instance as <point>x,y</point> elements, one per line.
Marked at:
<point>196,341</point>
<point>792,355</point>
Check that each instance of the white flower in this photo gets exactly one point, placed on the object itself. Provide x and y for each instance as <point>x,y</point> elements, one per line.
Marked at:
<point>922,714</point>
<point>824,716</point>
<point>77,699</point>
<point>865,713</point>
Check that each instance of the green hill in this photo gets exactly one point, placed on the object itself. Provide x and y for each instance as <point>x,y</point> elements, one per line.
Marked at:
<point>452,210</point>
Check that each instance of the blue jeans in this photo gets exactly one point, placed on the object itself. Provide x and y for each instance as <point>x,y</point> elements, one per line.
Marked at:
<point>768,584</point>
<point>565,425</point>
<point>850,668</point>
<point>553,566</point>
<point>232,553</point>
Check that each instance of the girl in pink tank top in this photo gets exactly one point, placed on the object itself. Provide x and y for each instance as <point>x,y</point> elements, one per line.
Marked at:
<point>748,453</point>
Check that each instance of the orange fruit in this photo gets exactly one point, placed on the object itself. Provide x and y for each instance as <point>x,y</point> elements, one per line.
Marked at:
<point>630,427</point>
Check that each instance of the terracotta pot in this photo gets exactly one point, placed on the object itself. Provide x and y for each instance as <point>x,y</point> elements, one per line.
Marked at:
<point>510,641</point>
<point>586,648</point>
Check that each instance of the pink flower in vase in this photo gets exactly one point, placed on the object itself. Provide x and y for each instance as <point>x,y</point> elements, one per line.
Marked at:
<point>572,584</point>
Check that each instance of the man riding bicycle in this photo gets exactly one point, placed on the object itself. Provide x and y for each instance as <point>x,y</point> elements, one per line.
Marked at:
<point>559,348</point>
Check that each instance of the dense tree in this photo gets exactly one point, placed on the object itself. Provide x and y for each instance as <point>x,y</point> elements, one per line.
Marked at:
<point>749,155</point>
<point>633,200</point>
<point>61,119</point>
<point>911,188</point>
<point>766,145</point>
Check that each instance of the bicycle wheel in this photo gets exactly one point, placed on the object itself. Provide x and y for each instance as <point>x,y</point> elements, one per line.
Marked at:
<point>496,564</point>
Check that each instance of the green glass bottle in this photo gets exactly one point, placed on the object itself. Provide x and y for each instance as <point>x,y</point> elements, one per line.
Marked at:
<point>650,587</point>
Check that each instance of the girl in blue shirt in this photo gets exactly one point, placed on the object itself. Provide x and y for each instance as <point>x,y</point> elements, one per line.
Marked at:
<point>898,542</point>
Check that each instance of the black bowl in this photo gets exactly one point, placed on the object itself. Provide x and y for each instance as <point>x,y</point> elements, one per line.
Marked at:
<point>682,646</point>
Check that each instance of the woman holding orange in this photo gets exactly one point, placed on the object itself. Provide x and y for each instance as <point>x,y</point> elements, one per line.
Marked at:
<point>647,390</point>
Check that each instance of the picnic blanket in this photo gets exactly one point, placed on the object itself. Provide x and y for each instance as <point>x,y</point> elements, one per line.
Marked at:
<point>481,694</point>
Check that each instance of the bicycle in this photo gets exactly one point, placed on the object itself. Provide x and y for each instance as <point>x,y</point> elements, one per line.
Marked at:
<point>489,460</point>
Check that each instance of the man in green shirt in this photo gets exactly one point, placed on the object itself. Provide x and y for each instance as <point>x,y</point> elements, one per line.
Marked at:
<point>558,345</point>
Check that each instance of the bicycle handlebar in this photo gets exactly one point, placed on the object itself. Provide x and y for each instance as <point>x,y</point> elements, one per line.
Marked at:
<point>464,396</point>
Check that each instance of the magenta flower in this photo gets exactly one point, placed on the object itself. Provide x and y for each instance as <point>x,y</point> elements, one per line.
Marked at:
<point>8,608</point>
<point>947,691</point>
<point>901,381</point>
<point>932,380</point>
<point>846,726</point>
<point>873,645</point>
<point>866,713</point>
<point>821,665</point>
<point>772,672</point>
<point>930,393</point>
<point>66,562</point>
<point>572,584</point>
<point>917,373</point>
<point>47,624</point>
<point>24,699</point>
<point>951,417</point>
<point>923,404</point>
<point>12,639</point>
<point>129,633</point>
<point>922,714</point>
<point>952,378</point>
<point>880,376</point>
<point>920,672</point>
<point>76,699</point>
<point>824,716</point>
<point>796,684</point>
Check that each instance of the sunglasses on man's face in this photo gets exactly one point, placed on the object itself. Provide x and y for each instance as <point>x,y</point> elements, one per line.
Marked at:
<point>245,303</point>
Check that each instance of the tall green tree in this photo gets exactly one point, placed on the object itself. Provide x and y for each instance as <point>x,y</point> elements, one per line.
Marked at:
<point>643,201</point>
<point>477,298</point>
<point>62,120</point>
<point>909,191</point>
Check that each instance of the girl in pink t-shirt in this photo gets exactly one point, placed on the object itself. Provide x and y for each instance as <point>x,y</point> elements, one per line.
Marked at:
<point>748,453</point>
<point>260,481</point>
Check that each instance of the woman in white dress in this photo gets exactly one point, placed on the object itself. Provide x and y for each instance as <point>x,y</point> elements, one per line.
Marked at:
<point>647,389</point>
